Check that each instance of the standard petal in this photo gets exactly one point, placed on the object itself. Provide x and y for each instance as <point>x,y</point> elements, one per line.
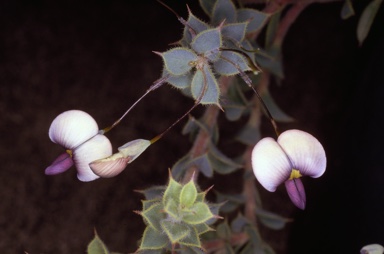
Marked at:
<point>110,166</point>
<point>305,151</point>
<point>270,164</point>
<point>60,165</point>
<point>296,192</point>
<point>94,149</point>
<point>72,128</point>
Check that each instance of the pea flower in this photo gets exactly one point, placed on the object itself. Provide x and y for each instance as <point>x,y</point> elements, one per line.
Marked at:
<point>295,154</point>
<point>78,133</point>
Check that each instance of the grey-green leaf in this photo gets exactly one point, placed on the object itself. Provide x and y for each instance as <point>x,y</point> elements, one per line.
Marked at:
<point>347,10</point>
<point>223,10</point>
<point>205,82</point>
<point>257,19</point>
<point>180,82</point>
<point>208,43</point>
<point>153,239</point>
<point>220,162</point>
<point>196,25</point>
<point>235,31</point>
<point>179,61</point>
<point>207,6</point>
<point>271,220</point>
<point>97,246</point>
<point>366,20</point>
<point>230,63</point>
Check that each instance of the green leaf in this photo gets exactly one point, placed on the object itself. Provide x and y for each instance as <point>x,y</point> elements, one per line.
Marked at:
<point>220,162</point>
<point>97,246</point>
<point>230,63</point>
<point>196,25</point>
<point>203,164</point>
<point>223,10</point>
<point>271,220</point>
<point>208,43</point>
<point>205,78</point>
<point>179,168</point>
<point>172,209</point>
<point>347,10</point>
<point>257,19</point>
<point>188,194</point>
<point>153,192</point>
<point>254,235</point>
<point>174,230</point>
<point>153,215</point>
<point>207,6</point>
<point>179,82</point>
<point>239,223</point>
<point>179,61</point>
<point>235,31</point>
<point>272,27</point>
<point>172,191</point>
<point>223,230</point>
<point>192,239</point>
<point>153,239</point>
<point>215,211</point>
<point>197,214</point>
<point>366,20</point>
<point>231,201</point>
<point>249,135</point>
<point>148,203</point>
<point>276,112</point>
<point>202,228</point>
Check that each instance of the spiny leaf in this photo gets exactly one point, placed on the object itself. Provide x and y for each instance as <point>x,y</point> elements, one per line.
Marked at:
<point>212,92</point>
<point>257,19</point>
<point>172,209</point>
<point>188,194</point>
<point>97,246</point>
<point>178,61</point>
<point>271,220</point>
<point>197,214</point>
<point>235,31</point>
<point>153,239</point>
<point>152,192</point>
<point>220,162</point>
<point>192,239</point>
<point>223,10</point>
<point>208,43</point>
<point>230,63</point>
<point>172,191</point>
<point>196,25</point>
<point>180,82</point>
<point>148,203</point>
<point>202,228</point>
<point>153,215</point>
<point>175,231</point>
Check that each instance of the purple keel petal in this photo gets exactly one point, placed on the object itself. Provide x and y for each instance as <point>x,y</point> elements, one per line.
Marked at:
<point>296,192</point>
<point>60,165</point>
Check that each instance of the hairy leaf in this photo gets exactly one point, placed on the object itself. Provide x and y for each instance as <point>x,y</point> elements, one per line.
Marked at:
<point>223,10</point>
<point>179,61</point>
<point>230,63</point>
<point>153,239</point>
<point>206,78</point>
<point>97,246</point>
<point>257,19</point>
<point>188,194</point>
<point>208,43</point>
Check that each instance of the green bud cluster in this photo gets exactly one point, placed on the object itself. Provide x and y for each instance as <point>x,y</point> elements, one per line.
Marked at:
<point>176,219</point>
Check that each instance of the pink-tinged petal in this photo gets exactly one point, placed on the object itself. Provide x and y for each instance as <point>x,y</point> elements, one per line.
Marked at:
<point>60,165</point>
<point>296,192</point>
<point>305,151</point>
<point>96,148</point>
<point>72,128</point>
<point>372,249</point>
<point>270,164</point>
<point>110,166</point>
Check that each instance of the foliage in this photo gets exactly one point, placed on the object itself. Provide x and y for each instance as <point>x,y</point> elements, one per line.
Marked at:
<point>209,64</point>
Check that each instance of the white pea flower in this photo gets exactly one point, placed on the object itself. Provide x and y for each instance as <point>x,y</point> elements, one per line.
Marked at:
<point>295,154</point>
<point>77,132</point>
<point>372,249</point>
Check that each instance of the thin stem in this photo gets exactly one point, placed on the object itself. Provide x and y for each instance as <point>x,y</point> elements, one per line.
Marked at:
<point>248,81</point>
<point>153,87</point>
<point>197,102</point>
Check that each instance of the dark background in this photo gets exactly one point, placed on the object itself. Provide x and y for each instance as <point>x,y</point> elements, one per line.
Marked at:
<point>96,56</point>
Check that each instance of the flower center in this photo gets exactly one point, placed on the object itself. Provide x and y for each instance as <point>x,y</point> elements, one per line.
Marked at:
<point>295,174</point>
<point>68,151</point>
